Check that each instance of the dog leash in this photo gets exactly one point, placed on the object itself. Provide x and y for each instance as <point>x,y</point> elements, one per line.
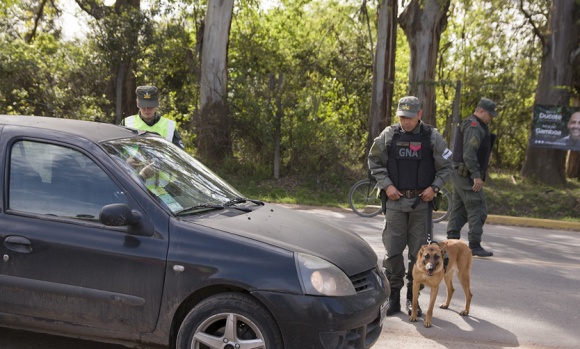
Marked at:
<point>429,222</point>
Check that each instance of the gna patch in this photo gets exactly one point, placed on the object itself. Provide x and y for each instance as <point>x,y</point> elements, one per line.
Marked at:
<point>408,150</point>
<point>474,123</point>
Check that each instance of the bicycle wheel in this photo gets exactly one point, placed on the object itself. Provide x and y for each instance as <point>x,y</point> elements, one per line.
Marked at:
<point>363,199</point>
<point>444,207</point>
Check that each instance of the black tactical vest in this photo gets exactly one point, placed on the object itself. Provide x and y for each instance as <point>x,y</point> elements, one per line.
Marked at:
<point>410,163</point>
<point>484,151</point>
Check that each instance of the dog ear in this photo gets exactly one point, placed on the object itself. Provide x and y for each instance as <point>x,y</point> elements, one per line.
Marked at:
<point>443,245</point>
<point>420,253</point>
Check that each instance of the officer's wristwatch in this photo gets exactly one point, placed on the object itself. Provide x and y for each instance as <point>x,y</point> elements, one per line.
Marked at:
<point>435,188</point>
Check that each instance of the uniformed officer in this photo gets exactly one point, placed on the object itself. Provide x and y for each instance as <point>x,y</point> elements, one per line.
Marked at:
<point>148,119</point>
<point>411,162</point>
<point>471,154</point>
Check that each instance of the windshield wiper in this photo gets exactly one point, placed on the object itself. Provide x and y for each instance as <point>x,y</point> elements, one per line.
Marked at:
<point>200,206</point>
<point>189,210</point>
<point>241,200</point>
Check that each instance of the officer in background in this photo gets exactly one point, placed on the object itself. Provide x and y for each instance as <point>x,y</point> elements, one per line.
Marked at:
<point>471,154</point>
<point>149,120</point>
<point>411,162</point>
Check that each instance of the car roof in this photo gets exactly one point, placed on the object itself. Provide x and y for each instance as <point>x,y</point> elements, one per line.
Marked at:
<point>92,130</point>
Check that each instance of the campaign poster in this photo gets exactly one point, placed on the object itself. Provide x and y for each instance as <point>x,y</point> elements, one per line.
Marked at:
<point>556,127</point>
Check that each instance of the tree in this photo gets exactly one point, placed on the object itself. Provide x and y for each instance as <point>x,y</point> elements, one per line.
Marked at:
<point>423,21</point>
<point>383,69</point>
<point>117,31</point>
<point>560,43</point>
<point>214,126</point>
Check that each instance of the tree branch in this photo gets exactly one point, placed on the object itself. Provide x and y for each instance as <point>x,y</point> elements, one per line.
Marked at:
<point>93,8</point>
<point>536,30</point>
<point>30,36</point>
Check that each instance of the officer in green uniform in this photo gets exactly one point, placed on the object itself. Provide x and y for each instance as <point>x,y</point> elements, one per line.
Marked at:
<point>410,161</point>
<point>148,119</point>
<point>471,154</point>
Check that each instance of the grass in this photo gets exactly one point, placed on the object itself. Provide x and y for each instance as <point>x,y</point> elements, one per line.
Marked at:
<point>506,195</point>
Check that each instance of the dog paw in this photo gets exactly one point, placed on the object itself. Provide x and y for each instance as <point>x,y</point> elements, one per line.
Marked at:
<point>427,323</point>
<point>464,313</point>
<point>413,319</point>
<point>444,306</point>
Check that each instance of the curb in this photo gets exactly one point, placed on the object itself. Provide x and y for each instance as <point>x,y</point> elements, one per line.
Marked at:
<point>532,222</point>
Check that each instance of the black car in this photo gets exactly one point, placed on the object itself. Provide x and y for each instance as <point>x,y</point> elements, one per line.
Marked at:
<point>116,235</point>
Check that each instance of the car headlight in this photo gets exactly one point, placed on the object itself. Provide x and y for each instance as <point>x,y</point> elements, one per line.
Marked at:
<point>321,278</point>
<point>381,277</point>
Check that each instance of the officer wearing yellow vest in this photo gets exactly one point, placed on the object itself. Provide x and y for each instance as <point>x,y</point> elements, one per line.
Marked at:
<point>149,120</point>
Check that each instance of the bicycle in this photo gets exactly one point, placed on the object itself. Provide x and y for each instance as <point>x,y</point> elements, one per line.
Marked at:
<point>364,200</point>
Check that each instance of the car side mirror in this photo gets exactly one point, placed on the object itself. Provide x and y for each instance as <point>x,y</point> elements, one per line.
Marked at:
<point>117,215</point>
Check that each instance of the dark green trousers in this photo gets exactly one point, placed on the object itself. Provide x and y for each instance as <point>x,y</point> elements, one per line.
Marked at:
<point>402,229</point>
<point>468,207</point>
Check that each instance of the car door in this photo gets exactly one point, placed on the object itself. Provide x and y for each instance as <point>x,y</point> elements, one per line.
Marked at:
<point>59,263</point>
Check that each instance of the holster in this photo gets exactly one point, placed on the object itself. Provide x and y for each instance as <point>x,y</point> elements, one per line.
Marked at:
<point>384,199</point>
<point>437,201</point>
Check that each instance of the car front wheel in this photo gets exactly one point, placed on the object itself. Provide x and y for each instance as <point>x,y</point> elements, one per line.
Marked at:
<point>229,320</point>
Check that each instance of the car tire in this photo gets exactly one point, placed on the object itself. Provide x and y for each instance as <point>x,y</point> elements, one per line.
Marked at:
<point>233,318</point>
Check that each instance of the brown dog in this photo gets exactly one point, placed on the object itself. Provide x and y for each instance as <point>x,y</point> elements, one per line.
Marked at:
<point>430,268</point>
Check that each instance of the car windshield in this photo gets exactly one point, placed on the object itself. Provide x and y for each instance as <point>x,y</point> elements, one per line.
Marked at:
<point>173,177</point>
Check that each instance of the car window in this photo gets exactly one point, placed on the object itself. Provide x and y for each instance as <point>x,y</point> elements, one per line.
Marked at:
<point>175,179</point>
<point>55,180</point>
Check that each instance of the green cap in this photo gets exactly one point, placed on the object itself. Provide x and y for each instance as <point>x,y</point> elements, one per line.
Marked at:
<point>488,105</point>
<point>408,107</point>
<point>147,96</point>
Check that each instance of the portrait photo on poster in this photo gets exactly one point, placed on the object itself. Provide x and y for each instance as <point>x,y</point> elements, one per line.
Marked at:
<point>556,127</point>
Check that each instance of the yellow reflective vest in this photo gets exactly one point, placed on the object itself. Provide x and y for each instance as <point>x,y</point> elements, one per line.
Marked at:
<point>165,127</point>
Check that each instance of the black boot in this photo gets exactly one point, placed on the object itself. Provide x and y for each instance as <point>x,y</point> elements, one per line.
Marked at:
<point>477,250</point>
<point>394,302</point>
<point>410,300</point>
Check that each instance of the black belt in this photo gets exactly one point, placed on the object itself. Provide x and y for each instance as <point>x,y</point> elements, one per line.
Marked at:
<point>409,194</point>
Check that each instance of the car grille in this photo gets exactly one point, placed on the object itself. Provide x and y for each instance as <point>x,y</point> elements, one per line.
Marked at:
<point>364,282</point>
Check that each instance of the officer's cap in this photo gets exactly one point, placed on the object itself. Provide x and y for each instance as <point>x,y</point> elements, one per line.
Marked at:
<point>147,97</point>
<point>488,105</point>
<point>409,107</point>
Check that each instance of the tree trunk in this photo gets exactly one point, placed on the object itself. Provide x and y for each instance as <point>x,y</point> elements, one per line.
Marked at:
<point>560,41</point>
<point>573,168</point>
<point>423,21</point>
<point>455,119</point>
<point>121,70</point>
<point>278,125</point>
<point>384,70</point>
<point>213,129</point>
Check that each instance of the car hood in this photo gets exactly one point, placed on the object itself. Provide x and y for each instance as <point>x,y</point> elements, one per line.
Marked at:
<point>299,232</point>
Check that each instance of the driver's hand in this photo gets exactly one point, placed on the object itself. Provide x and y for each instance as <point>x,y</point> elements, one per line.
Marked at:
<point>148,171</point>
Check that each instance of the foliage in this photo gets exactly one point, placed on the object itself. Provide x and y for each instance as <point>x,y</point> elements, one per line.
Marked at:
<point>498,58</point>
<point>60,87</point>
<point>320,49</point>
<point>325,65</point>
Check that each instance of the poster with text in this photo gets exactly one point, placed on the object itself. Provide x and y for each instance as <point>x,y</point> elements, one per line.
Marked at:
<point>556,127</point>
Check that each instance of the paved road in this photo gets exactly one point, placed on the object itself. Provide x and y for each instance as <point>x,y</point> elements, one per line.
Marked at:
<point>525,296</point>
